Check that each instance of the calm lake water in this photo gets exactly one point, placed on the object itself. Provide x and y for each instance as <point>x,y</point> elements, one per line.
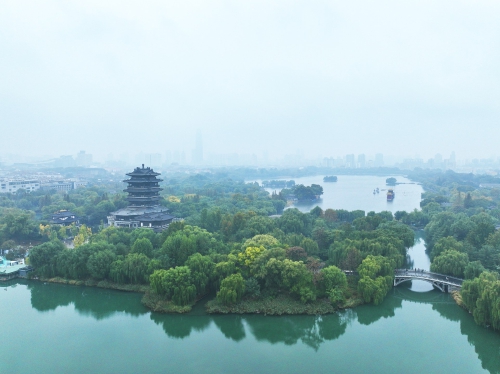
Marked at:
<point>51,328</point>
<point>353,192</point>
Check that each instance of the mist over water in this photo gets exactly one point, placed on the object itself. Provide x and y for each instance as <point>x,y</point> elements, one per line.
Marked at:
<point>354,192</point>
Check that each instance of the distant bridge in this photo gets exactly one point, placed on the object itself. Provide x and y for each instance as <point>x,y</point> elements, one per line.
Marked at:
<point>443,282</point>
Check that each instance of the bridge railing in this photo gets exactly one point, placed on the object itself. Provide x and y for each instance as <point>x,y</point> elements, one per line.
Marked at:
<point>437,276</point>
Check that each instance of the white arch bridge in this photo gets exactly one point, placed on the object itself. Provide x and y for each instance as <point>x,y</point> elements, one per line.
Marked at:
<point>443,282</point>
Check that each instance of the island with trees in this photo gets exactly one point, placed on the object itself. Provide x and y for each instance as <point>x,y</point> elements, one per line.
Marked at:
<point>391,181</point>
<point>302,193</point>
<point>330,178</point>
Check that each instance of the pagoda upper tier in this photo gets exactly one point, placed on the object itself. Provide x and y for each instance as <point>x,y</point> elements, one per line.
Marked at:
<point>143,187</point>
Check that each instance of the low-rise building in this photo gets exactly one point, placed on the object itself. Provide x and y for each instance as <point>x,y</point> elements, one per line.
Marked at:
<point>58,186</point>
<point>64,218</point>
<point>12,185</point>
<point>11,269</point>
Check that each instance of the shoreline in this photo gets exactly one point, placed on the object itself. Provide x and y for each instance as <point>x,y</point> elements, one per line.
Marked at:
<point>283,304</point>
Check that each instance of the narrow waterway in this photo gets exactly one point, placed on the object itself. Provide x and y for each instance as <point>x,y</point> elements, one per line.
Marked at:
<point>52,328</point>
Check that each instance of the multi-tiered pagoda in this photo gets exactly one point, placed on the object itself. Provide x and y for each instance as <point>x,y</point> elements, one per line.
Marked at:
<point>144,197</point>
<point>143,187</point>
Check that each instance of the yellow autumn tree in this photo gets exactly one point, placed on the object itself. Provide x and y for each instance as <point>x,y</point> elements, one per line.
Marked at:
<point>45,230</point>
<point>84,234</point>
<point>173,199</point>
<point>249,255</point>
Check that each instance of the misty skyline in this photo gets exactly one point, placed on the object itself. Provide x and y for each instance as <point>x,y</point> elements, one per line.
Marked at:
<point>323,78</point>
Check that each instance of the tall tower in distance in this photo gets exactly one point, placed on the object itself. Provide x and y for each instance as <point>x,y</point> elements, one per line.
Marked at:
<point>197,158</point>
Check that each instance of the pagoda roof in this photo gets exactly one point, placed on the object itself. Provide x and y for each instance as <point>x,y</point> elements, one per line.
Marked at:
<point>142,180</point>
<point>143,189</point>
<point>155,217</point>
<point>137,211</point>
<point>143,172</point>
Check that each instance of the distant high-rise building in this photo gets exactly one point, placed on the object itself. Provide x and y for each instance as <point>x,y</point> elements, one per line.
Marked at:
<point>350,161</point>
<point>154,159</point>
<point>379,160</point>
<point>197,157</point>
<point>168,157</point>
<point>361,161</point>
<point>83,159</point>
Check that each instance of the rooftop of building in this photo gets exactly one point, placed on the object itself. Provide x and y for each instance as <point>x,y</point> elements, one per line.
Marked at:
<point>63,213</point>
<point>6,268</point>
<point>135,211</point>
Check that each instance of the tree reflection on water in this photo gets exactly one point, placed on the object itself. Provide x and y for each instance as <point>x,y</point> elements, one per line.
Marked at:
<point>312,331</point>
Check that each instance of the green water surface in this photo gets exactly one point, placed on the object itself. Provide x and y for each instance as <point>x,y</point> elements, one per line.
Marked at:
<point>52,328</point>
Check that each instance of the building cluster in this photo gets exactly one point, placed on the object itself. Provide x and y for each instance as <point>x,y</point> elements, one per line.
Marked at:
<point>39,181</point>
<point>351,161</point>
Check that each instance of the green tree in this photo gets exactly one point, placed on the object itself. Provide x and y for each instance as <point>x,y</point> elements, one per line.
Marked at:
<point>43,258</point>
<point>438,227</point>
<point>446,244</point>
<point>376,276</point>
<point>185,242</point>
<point>144,246</point>
<point>333,283</point>
<point>481,296</point>
<point>175,284</point>
<point>99,264</point>
<point>450,262</point>
<point>484,226</point>
<point>310,246</point>
<point>296,254</point>
<point>265,241</point>
<point>232,289</point>
<point>136,267</point>
<point>473,270</point>
<point>19,225</point>
<point>202,269</point>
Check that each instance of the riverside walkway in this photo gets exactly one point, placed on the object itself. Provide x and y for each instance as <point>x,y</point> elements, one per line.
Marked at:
<point>443,282</point>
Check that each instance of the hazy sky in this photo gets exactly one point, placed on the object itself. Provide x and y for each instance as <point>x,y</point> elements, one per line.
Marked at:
<point>325,77</point>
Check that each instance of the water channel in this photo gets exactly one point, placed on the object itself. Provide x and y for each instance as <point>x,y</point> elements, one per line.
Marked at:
<point>52,328</point>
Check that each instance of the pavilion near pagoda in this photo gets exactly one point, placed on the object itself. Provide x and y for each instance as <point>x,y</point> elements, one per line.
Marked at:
<point>144,209</point>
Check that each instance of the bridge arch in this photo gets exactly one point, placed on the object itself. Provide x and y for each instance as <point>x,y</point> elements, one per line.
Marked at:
<point>441,281</point>
<point>439,285</point>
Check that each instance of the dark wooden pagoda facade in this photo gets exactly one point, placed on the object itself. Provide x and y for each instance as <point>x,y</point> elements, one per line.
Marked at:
<point>143,187</point>
<point>144,209</point>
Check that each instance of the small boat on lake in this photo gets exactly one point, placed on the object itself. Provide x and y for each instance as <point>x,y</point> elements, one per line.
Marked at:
<point>390,194</point>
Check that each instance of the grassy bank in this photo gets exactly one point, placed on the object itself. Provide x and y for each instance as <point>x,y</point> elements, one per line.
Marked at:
<point>282,304</point>
<point>101,284</point>
<point>279,305</point>
<point>158,304</point>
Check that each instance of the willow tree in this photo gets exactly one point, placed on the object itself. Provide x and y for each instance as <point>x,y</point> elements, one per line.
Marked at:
<point>232,289</point>
<point>175,284</point>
